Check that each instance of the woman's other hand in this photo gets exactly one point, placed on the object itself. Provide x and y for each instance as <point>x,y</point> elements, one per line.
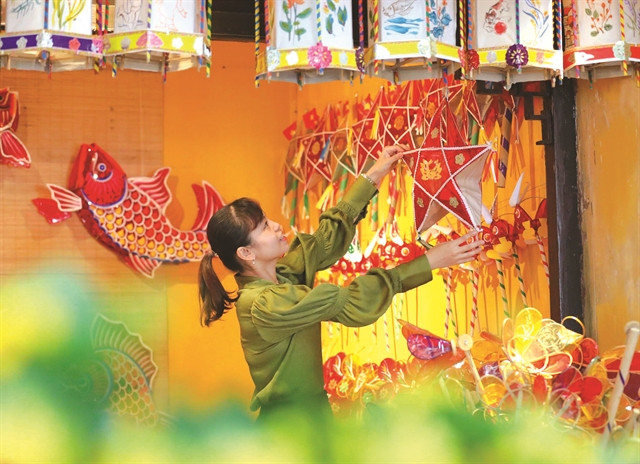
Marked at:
<point>387,159</point>
<point>455,251</point>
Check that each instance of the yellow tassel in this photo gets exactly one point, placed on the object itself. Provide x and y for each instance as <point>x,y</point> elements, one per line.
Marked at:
<point>374,127</point>
<point>324,198</point>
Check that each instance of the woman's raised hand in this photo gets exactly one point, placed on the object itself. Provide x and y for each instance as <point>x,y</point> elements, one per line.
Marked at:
<point>387,159</point>
<point>455,251</point>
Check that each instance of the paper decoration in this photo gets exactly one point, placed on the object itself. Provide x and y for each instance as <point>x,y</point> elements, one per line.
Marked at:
<point>446,178</point>
<point>160,35</point>
<point>123,372</point>
<point>49,36</point>
<point>411,39</point>
<point>513,41</point>
<point>127,215</point>
<point>306,41</point>
<point>602,38</point>
<point>12,151</point>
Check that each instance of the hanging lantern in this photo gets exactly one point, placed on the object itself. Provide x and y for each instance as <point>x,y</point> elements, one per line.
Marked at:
<point>513,40</point>
<point>602,38</point>
<point>49,36</point>
<point>410,40</point>
<point>307,41</point>
<point>160,35</point>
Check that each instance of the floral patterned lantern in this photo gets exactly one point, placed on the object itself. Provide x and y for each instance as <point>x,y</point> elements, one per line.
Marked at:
<point>602,38</point>
<point>513,40</point>
<point>307,41</point>
<point>412,39</point>
<point>160,35</point>
<point>49,36</point>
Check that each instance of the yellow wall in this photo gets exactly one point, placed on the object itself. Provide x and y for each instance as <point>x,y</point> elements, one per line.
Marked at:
<point>609,172</point>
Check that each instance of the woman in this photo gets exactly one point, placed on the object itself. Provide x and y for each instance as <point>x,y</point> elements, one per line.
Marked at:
<point>278,307</point>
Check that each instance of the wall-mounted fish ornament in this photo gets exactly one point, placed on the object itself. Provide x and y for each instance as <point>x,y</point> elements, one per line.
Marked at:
<point>128,214</point>
<point>12,150</point>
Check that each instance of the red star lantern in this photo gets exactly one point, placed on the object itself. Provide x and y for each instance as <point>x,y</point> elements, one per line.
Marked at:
<point>402,122</point>
<point>365,136</point>
<point>316,155</point>
<point>446,179</point>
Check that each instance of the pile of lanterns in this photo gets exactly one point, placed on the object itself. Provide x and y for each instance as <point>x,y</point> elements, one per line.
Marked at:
<point>536,363</point>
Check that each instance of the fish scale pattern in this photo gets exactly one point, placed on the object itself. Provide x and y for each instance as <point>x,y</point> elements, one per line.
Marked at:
<point>137,226</point>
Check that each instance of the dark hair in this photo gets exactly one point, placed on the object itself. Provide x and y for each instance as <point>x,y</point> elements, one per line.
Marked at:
<point>228,230</point>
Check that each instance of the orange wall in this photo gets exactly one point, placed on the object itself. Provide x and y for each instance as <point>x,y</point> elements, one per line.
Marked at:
<point>609,172</point>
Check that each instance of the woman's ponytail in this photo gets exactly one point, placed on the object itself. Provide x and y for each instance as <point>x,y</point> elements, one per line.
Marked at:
<point>228,229</point>
<point>214,299</point>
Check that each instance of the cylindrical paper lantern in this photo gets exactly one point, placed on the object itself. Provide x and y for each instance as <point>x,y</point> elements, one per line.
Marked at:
<point>306,41</point>
<point>411,40</point>
<point>602,38</point>
<point>514,40</point>
<point>160,35</point>
<point>49,36</point>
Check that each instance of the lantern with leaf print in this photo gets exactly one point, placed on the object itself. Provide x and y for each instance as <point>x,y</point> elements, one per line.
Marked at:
<point>50,35</point>
<point>306,41</point>
<point>602,38</point>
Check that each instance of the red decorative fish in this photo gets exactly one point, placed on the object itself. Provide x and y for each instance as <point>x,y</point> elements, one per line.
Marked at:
<point>128,214</point>
<point>12,150</point>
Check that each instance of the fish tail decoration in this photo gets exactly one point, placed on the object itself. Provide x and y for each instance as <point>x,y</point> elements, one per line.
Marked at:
<point>131,367</point>
<point>12,151</point>
<point>209,201</point>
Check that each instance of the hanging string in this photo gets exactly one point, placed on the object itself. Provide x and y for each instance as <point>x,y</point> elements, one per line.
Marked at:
<point>46,15</point>
<point>558,23</point>
<point>318,20</point>
<point>267,34</point>
<point>518,21</point>
<point>625,69</point>
<point>463,45</point>
<point>201,29</point>
<point>361,34</point>
<point>149,8</point>
<point>256,36</point>
<point>98,61</point>
<point>376,35</point>
<point>209,35</point>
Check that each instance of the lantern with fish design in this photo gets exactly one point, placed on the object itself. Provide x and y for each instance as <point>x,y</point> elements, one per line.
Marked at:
<point>514,41</point>
<point>602,39</point>
<point>306,41</point>
<point>160,35</point>
<point>411,40</point>
<point>49,36</point>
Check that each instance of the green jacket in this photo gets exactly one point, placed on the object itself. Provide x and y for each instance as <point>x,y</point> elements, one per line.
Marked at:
<point>280,323</point>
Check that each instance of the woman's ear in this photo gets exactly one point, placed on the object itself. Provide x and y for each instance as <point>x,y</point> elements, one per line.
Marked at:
<point>245,254</point>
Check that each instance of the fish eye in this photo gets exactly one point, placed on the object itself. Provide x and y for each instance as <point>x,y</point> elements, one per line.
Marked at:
<point>102,167</point>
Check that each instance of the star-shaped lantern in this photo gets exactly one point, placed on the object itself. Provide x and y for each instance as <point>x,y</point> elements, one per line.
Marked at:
<point>366,142</point>
<point>402,121</point>
<point>446,179</point>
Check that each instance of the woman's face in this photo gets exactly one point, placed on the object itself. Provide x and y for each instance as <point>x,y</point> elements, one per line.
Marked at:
<point>267,241</point>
